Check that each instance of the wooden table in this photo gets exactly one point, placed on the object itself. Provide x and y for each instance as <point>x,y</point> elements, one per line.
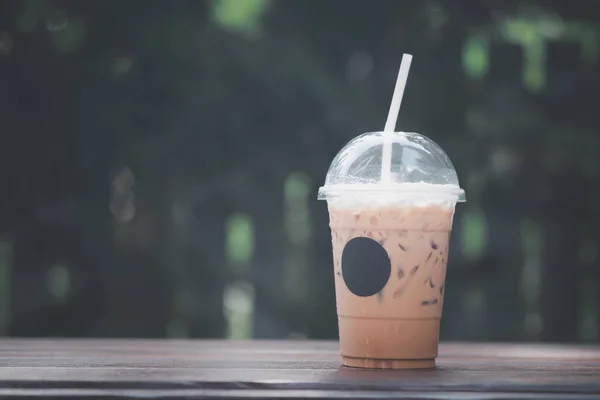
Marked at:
<point>287,369</point>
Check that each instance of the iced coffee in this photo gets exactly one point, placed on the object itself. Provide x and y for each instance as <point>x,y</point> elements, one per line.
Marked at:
<point>390,249</point>
<point>394,321</point>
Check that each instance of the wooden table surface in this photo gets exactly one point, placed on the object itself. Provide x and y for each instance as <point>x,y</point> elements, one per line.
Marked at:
<point>287,369</point>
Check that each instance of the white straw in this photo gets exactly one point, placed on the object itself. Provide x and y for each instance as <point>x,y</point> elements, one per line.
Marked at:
<point>390,124</point>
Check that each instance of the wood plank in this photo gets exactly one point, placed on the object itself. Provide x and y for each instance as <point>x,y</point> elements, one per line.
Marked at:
<point>288,368</point>
<point>290,394</point>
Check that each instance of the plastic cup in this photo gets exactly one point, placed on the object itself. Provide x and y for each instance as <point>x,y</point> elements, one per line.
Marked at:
<point>390,248</point>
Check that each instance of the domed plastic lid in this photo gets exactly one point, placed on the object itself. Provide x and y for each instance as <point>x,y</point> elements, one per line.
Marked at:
<point>420,170</point>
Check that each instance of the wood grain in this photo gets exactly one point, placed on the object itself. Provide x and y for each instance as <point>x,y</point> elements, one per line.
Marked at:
<point>287,369</point>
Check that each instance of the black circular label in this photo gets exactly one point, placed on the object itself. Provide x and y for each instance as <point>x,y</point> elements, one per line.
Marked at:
<point>366,266</point>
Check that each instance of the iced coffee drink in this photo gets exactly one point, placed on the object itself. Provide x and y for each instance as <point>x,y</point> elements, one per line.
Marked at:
<point>390,249</point>
<point>389,307</point>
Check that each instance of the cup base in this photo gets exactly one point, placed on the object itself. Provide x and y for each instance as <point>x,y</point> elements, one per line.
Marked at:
<point>372,363</point>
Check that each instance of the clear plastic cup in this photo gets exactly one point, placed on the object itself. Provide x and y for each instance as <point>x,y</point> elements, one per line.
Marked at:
<point>390,247</point>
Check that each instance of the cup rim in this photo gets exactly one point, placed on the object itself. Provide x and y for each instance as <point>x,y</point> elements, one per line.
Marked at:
<point>394,191</point>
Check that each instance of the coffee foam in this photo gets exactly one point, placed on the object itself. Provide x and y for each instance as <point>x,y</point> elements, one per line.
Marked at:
<point>377,195</point>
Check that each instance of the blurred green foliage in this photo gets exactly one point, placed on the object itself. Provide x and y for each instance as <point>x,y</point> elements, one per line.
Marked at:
<point>161,159</point>
<point>239,16</point>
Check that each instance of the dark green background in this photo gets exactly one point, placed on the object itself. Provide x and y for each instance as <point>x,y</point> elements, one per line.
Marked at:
<point>160,159</point>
